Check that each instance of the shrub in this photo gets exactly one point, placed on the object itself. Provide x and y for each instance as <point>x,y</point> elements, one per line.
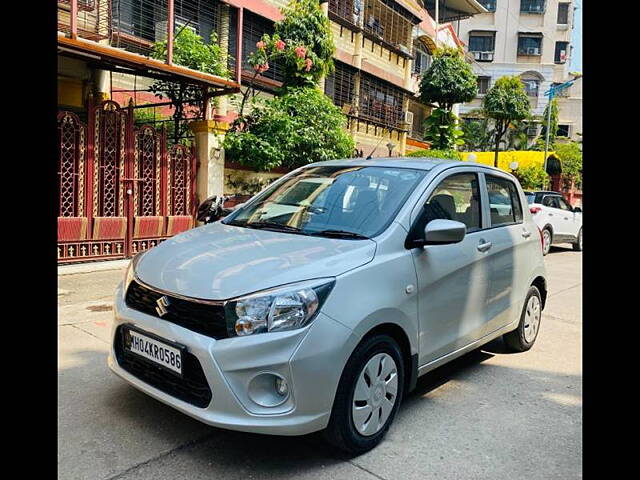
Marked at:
<point>532,177</point>
<point>434,153</point>
<point>299,127</point>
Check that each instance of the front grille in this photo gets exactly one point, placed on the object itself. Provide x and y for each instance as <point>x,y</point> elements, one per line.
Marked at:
<point>199,317</point>
<point>191,388</point>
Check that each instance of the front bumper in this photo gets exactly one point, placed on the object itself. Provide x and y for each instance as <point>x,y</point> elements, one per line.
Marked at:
<point>311,359</point>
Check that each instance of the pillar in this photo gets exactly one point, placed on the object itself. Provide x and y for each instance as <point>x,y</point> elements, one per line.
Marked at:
<point>210,157</point>
<point>101,81</point>
<point>223,38</point>
<point>324,6</point>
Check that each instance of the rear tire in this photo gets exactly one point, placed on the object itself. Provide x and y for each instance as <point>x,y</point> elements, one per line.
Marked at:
<point>343,430</point>
<point>522,338</point>
<point>578,245</point>
<point>547,238</point>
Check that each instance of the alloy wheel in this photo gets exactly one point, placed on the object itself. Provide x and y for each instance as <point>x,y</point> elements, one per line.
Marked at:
<point>532,318</point>
<point>375,394</point>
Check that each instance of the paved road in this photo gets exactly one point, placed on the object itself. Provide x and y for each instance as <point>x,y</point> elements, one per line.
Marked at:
<point>487,415</point>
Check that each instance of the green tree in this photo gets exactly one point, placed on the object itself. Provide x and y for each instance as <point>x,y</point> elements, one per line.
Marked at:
<point>449,80</point>
<point>189,50</point>
<point>298,127</point>
<point>477,135</point>
<point>505,103</point>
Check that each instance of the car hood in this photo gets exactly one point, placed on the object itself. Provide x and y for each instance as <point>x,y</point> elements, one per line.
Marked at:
<point>219,261</point>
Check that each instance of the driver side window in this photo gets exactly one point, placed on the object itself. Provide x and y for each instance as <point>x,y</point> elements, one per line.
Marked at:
<point>456,198</point>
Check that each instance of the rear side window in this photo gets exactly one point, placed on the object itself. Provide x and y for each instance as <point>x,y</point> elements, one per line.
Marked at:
<point>550,201</point>
<point>504,201</point>
<point>457,197</point>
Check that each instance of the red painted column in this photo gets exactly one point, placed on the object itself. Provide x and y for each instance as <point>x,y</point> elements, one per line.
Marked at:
<point>73,21</point>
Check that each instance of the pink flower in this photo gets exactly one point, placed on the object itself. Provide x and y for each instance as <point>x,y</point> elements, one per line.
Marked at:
<point>261,45</point>
<point>308,64</point>
<point>262,68</point>
<point>301,52</point>
<point>280,45</point>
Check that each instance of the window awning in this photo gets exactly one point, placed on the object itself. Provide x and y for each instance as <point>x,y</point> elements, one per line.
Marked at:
<point>531,34</point>
<point>109,58</point>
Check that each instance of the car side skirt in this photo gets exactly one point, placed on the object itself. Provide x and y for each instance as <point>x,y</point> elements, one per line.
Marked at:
<point>427,367</point>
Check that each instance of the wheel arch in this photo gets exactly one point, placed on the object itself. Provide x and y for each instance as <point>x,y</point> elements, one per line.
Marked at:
<point>541,284</point>
<point>410,360</point>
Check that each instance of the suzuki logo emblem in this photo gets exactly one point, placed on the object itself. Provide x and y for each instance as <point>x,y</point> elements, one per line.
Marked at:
<point>163,303</point>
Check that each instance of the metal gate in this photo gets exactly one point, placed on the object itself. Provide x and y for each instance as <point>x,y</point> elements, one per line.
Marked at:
<point>121,189</point>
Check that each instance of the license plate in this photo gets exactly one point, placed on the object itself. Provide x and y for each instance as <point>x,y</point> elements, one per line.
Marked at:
<point>158,352</point>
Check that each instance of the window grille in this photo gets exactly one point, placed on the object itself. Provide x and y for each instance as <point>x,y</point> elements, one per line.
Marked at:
<point>479,42</point>
<point>530,45</point>
<point>563,13</point>
<point>348,10</point>
<point>562,52</point>
<point>421,59</point>
<point>339,86</point>
<point>137,24</point>
<point>483,85</point>
<point>488,4</point>
<point>380,102</point>
<point>253,27</point>
<point>532,6</point>
<point>387,23</point>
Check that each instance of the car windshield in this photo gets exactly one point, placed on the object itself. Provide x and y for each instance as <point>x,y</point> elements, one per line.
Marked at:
<point>352,202</point>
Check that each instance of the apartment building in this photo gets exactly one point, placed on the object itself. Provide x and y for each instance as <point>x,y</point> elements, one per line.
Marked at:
<point>527,38</point>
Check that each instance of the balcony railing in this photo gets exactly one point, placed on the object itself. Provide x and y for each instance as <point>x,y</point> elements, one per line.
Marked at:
<point>135,25</point>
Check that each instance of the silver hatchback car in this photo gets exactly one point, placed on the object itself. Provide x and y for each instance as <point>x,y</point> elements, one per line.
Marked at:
<point>318,303</point>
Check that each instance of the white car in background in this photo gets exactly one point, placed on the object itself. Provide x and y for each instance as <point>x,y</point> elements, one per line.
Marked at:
<point>558,221</point>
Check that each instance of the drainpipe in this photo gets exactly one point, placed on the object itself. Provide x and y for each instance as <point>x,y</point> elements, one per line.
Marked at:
<point>170,24</point>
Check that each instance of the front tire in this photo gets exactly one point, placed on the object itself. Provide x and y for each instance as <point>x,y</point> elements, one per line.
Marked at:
<point>578,245</point>
<point>368,395</point>
<point>522,338</point>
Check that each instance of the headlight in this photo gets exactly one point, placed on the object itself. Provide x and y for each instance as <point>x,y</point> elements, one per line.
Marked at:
<point>129,273</point>
<point>277,309</point>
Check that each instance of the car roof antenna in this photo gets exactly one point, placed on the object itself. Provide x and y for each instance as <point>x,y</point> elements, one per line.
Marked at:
<point>370,156</point>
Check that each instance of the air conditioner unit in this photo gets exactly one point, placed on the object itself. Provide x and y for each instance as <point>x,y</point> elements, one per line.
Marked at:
<point>533,51</point>
<point>532,130</point>
<point>477,55</point>
<point>487,56</point>
<point>408,118</point>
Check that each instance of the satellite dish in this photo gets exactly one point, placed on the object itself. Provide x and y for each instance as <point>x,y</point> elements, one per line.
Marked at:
<point>513,165</point>
<point>472,157</point>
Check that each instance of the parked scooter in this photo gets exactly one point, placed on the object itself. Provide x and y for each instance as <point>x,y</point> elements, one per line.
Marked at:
<point>213,209</point>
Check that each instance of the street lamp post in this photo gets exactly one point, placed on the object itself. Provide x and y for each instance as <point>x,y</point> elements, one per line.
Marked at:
<point>551,93</point>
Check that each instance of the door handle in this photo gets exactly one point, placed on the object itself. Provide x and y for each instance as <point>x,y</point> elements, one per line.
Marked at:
<point>551,214</point>
<point>526,234</point>
<point>566,218</point>
<point>484,246</point>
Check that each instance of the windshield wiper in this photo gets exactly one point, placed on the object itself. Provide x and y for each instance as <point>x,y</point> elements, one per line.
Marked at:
<point>339,234</point>
<point>274,226</point>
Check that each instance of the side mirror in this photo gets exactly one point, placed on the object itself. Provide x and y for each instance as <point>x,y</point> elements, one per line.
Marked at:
<point>443,232</point>
<point>577,210</point>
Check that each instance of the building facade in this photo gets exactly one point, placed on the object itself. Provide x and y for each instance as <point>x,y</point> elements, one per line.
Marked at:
<point>527,38</point>
<point>131,173</point>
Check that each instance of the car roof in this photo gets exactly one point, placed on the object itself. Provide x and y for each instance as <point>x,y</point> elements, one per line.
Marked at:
<point>418,163</point>
<point>532,192</point>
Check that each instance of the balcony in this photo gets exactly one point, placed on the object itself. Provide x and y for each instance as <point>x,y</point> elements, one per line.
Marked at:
<point>120,34</point>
